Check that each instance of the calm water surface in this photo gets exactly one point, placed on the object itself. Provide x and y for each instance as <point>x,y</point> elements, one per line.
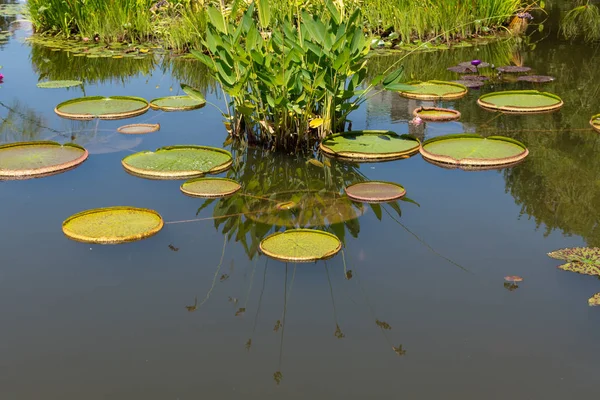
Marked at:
<point>110,322</point>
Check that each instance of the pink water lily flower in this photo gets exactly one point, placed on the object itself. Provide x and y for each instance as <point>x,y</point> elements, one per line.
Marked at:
<point>1,77</point>
<point>416,121</point>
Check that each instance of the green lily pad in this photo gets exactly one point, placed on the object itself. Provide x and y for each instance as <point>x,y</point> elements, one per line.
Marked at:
<point>58,84</point>
<point>436,114</point>
<point>24,160</point>
<point>176,103</point>
<point>582,260</point>
<point>116,107</point>
<point>210,187</point>
<point>302,209</point>
<point>594,300</point>
<point>178,162</point>
<point>138,129</point>
<point>375,191</point>
<point>434,90</point>
<point>466,150</point>
<point>370,145</point>
<point>520,101</point>
<point>301,245</point>
<point>112,225</point>
<point>595,122</point>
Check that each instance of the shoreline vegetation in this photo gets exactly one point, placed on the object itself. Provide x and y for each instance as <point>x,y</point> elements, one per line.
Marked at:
<point>180,25</point>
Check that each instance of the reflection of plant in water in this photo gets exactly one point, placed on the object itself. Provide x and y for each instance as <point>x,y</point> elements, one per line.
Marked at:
<point>20,123</point>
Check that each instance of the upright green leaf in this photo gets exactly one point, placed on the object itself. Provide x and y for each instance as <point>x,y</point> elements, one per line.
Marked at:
<point>216,18</point>
<point>193,93</point>
<point>264,13</point>
<point>394,77</point>
<point>334,13</point>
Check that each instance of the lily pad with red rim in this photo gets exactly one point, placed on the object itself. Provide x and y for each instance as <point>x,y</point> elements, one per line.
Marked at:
<point>369,145</point>
<point>436,114</point>
<point>300,245</point>
<point>115,107</point>
<point>176,103</point>
<point>375,191</point>
<point>210,187</point>
<point>138,129</point>
<point>434,90</point>
<point>520,101</point>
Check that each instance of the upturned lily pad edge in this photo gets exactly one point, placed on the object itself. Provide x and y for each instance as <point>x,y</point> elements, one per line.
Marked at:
<point>472,163</point>
<point>209,196</point>
<point>279,257</point>
<point>371,200</point>
<point>519,110</point>
<point>44,171</point>
<point>112,240</point>
<point>358,156</point>
<point>431,96</point>
<point>154,106</point>
<point>110,116</point>
<point>150,128</point>
<point>452,115</point>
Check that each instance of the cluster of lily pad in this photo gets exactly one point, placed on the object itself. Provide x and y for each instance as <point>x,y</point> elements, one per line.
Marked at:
<point>476,73</point>
<point>90,48</point>
<point>581,260</point>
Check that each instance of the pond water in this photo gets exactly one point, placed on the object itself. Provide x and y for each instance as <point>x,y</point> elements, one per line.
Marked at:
<point>197,311</point>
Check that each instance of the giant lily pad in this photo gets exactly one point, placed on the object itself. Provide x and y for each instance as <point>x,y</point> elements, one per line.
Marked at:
<point>595,122</point>
<point>302,209</point>
<point>370,145</point>
<point>582,260</point>
<point>210,187</point>
<point>594,300</point>
<point>138,129</point>
<point>112,225</point>
<point>176,103</point>
<point>301,245</point>
<point>178,162</point>
<point>434,90</point>
<point>115,107</point>
<point>375,191</point>
<point>23,160</point>
<point>436,114</point>
<point>520,101</point>
<point>467,150</point>
<point>59,84</point>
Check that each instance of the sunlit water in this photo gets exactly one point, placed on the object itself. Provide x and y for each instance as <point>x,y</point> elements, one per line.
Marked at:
<point>110,322</point>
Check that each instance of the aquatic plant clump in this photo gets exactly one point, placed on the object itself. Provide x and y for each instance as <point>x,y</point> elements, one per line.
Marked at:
<point>59,84</point>
<point>210,187</point>
<point>301,245</point>
<point>178,162</point>
<point>115,107</point>
<point>370,145</point>
<point>436,114</point>
<point>595,122</point>
<point>176,103</point>
<point>113,225</point>
<point>434,90</point>
<point>375,191</point>
<point>520,101</point>
<point>24,160</point>
<point>582,260</point>
<point>467,150</point>
<point>138,129</point>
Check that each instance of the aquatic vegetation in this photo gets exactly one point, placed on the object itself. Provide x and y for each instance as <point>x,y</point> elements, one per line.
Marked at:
<point>138,129</point>
<point>178,162</point>
<point>595,122</point>
<point>582,260</point>
<point>520,101</point>
<point>513,69</point>
<point>301,245</point>
<point>436,114</point>
<point>112,225</point>
<point>513,278</point>
<point>210,187</point>
<point>582,21</point>
<point>22,160</point>
<point>467,151</point>
<point>370,145</point>
<point>58,84</point>
<point>375,191</point>
<point>176,103</point>
<point>432,90</point>
<point>594,300</point>
<point>536,78</point>
<point>115,107</point>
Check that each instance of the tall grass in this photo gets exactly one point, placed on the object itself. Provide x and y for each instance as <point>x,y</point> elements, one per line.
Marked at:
<point>180,24</point>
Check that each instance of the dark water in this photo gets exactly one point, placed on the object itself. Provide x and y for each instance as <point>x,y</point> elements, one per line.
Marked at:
<point>110,322</point>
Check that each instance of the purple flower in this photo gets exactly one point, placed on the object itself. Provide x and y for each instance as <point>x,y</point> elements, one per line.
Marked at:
<point>416,121</point>
<point>475,63</point>
<point>1,77</point>
<point>525,15</point>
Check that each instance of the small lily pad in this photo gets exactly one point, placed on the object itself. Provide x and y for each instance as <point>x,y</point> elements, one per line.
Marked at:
<point>467,150</point>
<point>210,187</point>
<point>520,101</point>
<point>176,103</point>
<point>58,84</point>
<point>138,129</point>
<point>513,278</point>
<point>370,145</point>
<point>436,114</point>
<point>462,69</point>
<point>112,225</point>
<point>474,78</point>
<point>594,300</point>
<point>301,245</point>
<point>434,90</point>
<point>471,84</point>
<point>582,260</point>
<point>595,122</point>
<point>24,160</point>
<point>480,65</point>
<point>375,191</point>
<point>536,78</point>
<point>513,69</point>
<point>178,162</point>
<point>115,107</point>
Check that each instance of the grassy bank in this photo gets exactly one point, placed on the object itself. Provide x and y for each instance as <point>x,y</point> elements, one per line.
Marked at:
<point>180,24</point>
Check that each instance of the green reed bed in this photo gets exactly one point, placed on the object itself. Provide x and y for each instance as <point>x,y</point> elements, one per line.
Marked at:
<point>181,24</point>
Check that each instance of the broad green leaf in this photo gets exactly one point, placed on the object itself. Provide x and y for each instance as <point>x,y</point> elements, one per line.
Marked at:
<point>264,13</point>
<point>193,93</point>
<point>394,77</point>
<point>216,18</point>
